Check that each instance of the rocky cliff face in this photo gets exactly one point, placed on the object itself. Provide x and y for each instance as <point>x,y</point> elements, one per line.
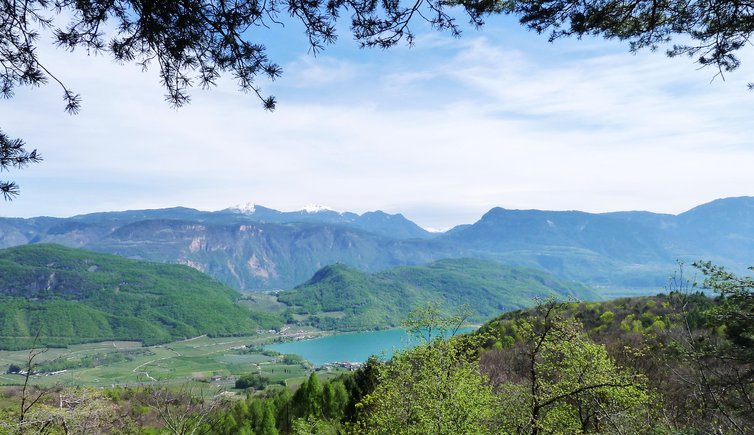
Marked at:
<point>254,248</point>
<point>249,248</point>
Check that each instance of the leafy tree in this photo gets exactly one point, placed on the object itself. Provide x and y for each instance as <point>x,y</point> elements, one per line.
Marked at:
<point>714,354</point>
<point>736,310</point>
<point>434,388</point>
<point>555,379</point>
<point>284,415</point>
<point>313,426</point>
<point>360,384</point>
<point>252,380</point>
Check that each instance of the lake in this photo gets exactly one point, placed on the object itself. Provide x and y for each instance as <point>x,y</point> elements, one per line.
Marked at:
<point>352,346</point>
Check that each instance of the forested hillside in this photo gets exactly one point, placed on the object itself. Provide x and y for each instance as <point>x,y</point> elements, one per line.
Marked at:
<point>69,296</point>
<point>343,298</point>
<point>673,363</point>
<point>676,363</point>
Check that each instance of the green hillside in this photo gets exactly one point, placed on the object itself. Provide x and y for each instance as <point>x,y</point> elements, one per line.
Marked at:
<point>72,296</point>
<point>340,297</point>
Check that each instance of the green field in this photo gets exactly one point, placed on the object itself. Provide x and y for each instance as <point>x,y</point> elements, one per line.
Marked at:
<point>217,361</point>
<point>263,302</point>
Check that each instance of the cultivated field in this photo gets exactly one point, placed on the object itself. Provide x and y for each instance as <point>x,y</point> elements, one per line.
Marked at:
<point>216,361</point>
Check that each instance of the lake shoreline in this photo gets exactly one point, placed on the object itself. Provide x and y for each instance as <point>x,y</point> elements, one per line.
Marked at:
<point>352,346</point>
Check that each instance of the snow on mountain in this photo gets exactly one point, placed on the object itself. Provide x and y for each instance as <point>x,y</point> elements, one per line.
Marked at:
<point>315,208</point>
<point>435,230</point>
<point>248,208</point>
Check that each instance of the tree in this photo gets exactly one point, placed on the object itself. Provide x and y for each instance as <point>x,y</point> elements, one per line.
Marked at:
<point>185,411</point>
<point>79,410</point>
<point>714,352</point>
<point>554,379</point>
<point>268,424</point>
<point>195,42</point>
<point>434,388</point>
<point>252,380</point>
<point>334,400</point>
<point>717,29</point>
<point>13,155</point>
<point>736,308</point>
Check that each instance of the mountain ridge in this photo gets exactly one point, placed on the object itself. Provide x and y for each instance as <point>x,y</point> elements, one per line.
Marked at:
<point>341,297</point>
<point>277,250</point>
<point>68,295</point>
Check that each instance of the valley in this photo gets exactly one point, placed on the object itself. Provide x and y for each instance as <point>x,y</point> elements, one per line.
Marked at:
<point>215,362</point>
<point>255,310</point>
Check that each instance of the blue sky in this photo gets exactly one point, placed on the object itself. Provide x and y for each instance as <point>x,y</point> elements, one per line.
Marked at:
<point>440,132</point>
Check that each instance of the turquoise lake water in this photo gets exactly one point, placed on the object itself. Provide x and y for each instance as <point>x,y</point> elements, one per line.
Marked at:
<point>353,347</point>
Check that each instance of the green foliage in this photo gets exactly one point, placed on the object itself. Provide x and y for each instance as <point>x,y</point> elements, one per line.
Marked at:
<point>712,31</point>
<point>73,296</point>
<point>434,388</point>
<point>307,400</point>
<point>557,380</point>
<point>604,321</point>
<point>315,408</point>
<point>715,351</point>
<point>696,372</point>
<point>736,308</point>
<point>334,400</point>
<point>252,380</point>
<point>343,298</point>
<point>68,362</point>
<point>13,155</point>
<point>360,384</point>
<point>267,424</point>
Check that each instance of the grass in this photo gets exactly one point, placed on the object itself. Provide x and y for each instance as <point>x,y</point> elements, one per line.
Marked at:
<point>200,358</point>
<point>265,302</point>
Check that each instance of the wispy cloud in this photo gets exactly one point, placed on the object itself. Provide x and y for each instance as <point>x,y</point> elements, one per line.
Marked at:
<point>442,132</point>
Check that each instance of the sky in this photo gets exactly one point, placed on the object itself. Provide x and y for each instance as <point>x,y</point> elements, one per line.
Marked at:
<point>440,132</point>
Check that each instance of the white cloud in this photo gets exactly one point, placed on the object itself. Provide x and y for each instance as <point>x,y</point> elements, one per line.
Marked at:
<point>441,133</point>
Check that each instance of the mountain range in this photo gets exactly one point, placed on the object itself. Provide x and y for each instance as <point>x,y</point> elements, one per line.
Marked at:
<point>257,248</point>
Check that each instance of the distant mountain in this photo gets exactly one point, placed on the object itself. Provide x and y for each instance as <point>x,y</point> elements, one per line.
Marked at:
<point>720,231</point>
<point>395,226</point>
<point>502,230</point>
<point>83,229</point>
<point>253,247</point>
<point>71,296</point>
<point>599,249</point>
<point>341,297</point>
<point>256,256</point>
<point>623,249</point>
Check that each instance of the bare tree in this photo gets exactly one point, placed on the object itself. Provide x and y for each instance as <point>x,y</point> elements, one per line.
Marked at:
<point>184,411</point>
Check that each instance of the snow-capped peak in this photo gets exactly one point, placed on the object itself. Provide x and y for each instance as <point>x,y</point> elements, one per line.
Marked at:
<point>435,230</point>
<point>248,208</point>
<point>314,208</point>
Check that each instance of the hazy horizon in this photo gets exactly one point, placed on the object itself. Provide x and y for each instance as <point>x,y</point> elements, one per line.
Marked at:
<point>473,217</point>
